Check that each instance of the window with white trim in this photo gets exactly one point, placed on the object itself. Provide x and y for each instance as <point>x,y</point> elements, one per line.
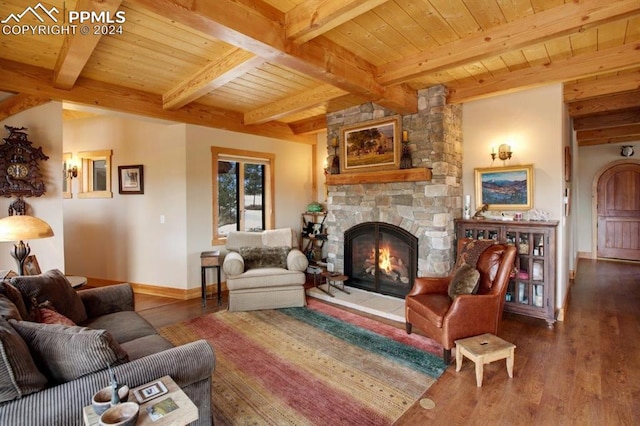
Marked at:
<point>242,191</point>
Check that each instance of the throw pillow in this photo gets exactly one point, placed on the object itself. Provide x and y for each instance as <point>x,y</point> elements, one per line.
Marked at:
<point>19,375</point>
<point>264,257</point>
<point>8,309</point>
<point>66,353</point>
<point>53,286</point>
<point>15,296</point>
<point>46,313</point>
<point>464,281</point>
<point>472,251</point>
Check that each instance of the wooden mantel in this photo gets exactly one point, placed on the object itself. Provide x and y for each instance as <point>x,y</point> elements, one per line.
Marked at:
<point>385,176</point>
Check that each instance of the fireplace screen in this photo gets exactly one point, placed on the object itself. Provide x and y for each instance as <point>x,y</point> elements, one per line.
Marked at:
<point>381,257</point>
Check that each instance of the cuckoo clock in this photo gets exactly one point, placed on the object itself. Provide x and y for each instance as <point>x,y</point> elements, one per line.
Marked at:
<point>19,163</point>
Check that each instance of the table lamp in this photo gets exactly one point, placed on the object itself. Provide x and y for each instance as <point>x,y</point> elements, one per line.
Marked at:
<point>19,228</point>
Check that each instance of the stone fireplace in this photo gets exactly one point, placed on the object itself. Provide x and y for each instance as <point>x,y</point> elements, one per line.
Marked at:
<point>424,209</point>
<point>380,257</point>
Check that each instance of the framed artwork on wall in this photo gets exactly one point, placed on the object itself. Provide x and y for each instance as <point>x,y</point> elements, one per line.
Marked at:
<point>369,146</point>
<point>505,188</point>
<point>131,179</point>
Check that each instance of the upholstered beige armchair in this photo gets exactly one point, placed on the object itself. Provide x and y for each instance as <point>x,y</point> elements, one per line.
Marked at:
<point>264,270</point>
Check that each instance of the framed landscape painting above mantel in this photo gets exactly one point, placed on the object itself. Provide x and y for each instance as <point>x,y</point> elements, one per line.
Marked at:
<point>505,188</point>
<point>372,145</point>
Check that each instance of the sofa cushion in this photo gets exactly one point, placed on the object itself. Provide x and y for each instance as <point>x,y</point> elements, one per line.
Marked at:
<point>146,345</point>
<point>123,326</point>
<point>266,277</point>
<point>19,375</point>
<point>69,352</point>
<point>14,295</point>
<point>264,257</point>
<point>53,286</point>
<point>464,281</point>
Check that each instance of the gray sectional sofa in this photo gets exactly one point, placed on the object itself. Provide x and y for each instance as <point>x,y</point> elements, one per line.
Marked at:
<point>49,369</point>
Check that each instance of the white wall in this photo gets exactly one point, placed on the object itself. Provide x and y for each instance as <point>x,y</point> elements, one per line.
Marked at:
<point>44,128</point>
<point>533,122</point>
<point>293,185</point>
<point>591,160</point>
<point>122,238</point>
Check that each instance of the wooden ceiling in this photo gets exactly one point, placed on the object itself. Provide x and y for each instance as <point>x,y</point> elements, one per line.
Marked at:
<point>276,67</point>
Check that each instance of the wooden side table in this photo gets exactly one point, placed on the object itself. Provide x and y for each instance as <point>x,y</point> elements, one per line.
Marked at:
<point>210,259</point>
<point>76,281</point>
<point>334,280</point>
<point>186,413</point>
<point>484,349</point>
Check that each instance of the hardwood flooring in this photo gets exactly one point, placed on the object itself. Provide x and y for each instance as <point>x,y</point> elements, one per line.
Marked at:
<point>586,371</point>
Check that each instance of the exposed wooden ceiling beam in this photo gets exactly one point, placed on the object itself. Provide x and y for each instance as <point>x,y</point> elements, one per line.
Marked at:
<point>609,119</point>
<point>607,140</point>
<point>602,86</point>
<point>77,48</point>
<point>213,75</point>
<point>610,133</point>
<point>310,125</point>
<point>37,81</point>
<point>622,101</point>
<point>569,18</point>
<point>580,66</point>
<point>255,27</point>
<point>312,18</point>
<point>260,30</point>
<point>20,102</point>
<point>310,98</point>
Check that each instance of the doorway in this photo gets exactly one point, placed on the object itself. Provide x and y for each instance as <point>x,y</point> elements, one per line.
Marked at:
<point>618,211</point>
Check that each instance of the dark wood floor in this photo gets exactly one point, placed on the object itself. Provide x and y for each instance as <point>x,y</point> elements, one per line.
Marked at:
<point>584,372</point>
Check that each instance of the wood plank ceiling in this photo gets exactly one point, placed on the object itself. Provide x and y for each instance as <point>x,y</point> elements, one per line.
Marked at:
<point>277,67</point>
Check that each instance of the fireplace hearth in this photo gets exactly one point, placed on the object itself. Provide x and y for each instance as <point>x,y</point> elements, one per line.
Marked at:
<point>381,257</point>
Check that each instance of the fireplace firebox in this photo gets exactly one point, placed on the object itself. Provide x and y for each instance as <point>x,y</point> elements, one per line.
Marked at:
<point>381,257</point>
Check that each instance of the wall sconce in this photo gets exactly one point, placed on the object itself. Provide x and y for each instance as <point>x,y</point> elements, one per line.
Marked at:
<point>70,171</point>
<point>504,152</point>
<point>73,172</point>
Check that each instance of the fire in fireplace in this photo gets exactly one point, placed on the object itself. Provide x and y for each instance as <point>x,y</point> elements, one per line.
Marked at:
<point>381,257</point>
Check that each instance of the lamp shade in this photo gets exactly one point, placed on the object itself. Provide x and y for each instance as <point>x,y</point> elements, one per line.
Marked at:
<point>22,227</point>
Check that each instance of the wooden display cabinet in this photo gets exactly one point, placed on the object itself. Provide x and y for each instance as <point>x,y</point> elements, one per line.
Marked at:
<point>532,287</point>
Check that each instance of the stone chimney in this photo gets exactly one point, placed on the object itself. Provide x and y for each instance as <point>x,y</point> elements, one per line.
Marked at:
<point>425,209</point>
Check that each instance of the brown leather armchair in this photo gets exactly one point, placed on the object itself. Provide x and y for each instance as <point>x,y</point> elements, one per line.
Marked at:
<point>429,307</point>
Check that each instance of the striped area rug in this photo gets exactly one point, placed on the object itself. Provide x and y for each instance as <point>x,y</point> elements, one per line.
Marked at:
<point>310,366</point>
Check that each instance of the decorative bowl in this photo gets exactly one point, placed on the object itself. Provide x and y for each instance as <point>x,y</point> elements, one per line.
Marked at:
<point>101,400</point>
<point>124,414</point>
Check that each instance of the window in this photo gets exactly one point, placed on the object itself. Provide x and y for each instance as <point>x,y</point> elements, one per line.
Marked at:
<point>242,191</point>
<point>96,174</point>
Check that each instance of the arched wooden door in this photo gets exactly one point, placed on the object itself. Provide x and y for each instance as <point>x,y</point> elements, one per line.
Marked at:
<point>619,212</point>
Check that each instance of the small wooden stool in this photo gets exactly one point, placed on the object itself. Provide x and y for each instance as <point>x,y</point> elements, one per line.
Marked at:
<point>484,349</point>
